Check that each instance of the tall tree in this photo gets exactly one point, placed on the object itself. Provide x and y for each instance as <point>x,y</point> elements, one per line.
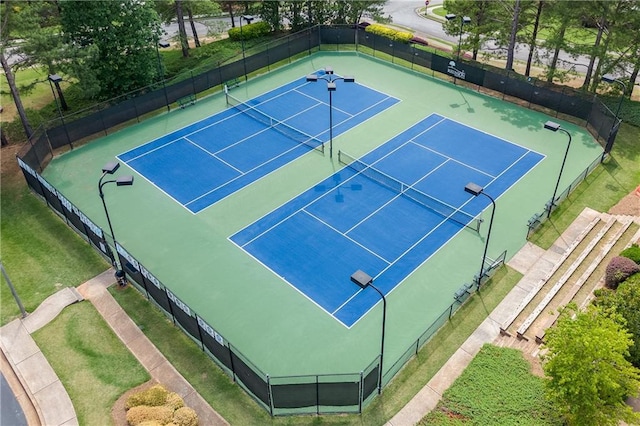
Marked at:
<point>589,375</point>
<point>565,15</point>
<point>120,40</point>
<point>8,15</point>
<point>182,31</point>
<point>534,36</point>
<point>515,21</point>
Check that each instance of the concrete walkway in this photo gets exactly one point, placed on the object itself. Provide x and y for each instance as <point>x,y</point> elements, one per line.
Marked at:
<point>36,384</point>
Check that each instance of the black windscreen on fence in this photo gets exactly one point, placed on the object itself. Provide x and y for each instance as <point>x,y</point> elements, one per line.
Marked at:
<point>339,394</point>
<point>159,296</point>
<point>337,35</point>
<point>294,395</point>
<point>182,315</point>
<point>547,98</point>
<point>125,111</point>
<point>180,90</point>
<point>519,88</point>
<point>494,81</point>
<point>254,383</point>
<point>370,382</point>
<point>576,106</point>
<point>217,349</point>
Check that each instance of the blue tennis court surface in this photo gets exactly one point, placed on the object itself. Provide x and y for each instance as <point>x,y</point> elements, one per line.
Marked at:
<point>378,214</point>
<point>206,161</point>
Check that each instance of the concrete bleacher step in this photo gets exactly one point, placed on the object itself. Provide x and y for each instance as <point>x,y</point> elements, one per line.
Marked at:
<point>511,320</point>
<point>605,253</point>
<point>560,283</point>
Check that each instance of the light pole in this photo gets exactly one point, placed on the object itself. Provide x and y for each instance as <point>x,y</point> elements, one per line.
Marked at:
<point>247,18</point>
<point>475,190</point>
<point>463,20</point>
<point>331,87</point>
<point>609,78</point>
<point>162,44</point>
<point>554,127</point>
<point>109,169</point>
<point>364,280</point>
<point>13,291</point>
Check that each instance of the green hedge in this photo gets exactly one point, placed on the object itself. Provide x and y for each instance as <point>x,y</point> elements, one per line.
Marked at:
<point>402,36</point>
<point>250,31</point>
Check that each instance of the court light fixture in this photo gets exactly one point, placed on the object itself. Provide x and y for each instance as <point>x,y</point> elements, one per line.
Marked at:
<point>554,127</point>
<point>331,87</point>
<point>464,20</point>
<point>475,190</point>
<point>364,280</point>
<point>109,169</point>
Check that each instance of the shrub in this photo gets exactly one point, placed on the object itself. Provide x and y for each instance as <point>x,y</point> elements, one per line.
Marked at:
<point>185,416</point>
<point>619,269</point>
<point>402,36</point>
<point>143,414</point>
<point>153,397</point>
<point>632,253</point>
<point>250,31</point>
<point>174,401</point>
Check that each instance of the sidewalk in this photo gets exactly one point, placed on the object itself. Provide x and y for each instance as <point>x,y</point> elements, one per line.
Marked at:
<point>38,383</point>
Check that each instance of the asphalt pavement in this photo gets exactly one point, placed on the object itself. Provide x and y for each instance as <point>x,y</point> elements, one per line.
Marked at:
<point>10,410</point>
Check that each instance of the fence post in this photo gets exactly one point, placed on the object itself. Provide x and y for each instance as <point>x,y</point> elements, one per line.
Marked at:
<point>269,395</point>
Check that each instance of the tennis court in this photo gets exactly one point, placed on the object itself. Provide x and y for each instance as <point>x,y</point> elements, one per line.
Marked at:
<point>436,139</point>
<point>211,159</point>
<point>385,214</point>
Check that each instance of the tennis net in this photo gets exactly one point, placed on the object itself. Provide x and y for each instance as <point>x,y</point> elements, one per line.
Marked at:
<point>444,209</point>
<point>277,125</point>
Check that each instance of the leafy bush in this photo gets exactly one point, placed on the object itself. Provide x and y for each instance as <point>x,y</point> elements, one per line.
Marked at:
<point>632,253</point>
<point>174,401</point>
<point>401,36</point>
<point>154,396</point>
<point>143,413</point>
<point>619,269</point>
<point>250,31</point>
<point>185,416</point>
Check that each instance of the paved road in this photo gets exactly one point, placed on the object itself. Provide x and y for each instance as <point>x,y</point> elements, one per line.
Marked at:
<point>10,410</point>
<point>404,13</point>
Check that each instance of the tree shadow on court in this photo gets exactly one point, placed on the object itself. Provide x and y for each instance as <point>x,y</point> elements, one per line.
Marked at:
<point>520,117</point>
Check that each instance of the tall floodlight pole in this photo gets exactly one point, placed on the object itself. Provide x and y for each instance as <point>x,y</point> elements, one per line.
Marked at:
<point>475,190</point>
<point>331,79</point>
<point>247,18</point>
<point>364,280</point>
<point>609,78</point>
<point>554,127</point>
<point>463,20</point>
<point>109,169</point>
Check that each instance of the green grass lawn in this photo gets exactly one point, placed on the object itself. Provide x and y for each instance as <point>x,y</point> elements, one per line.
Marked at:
<point>495,389</point>
<point>238,408</point>
<point>39,252</point>
<point>91,362</point>
<point>602,189</point>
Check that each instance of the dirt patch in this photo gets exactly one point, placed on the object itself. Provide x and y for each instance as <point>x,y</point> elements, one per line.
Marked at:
<point>629,205</point>
<point>118,412</point>
<point>535,363</point>
<point>8,164</point>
